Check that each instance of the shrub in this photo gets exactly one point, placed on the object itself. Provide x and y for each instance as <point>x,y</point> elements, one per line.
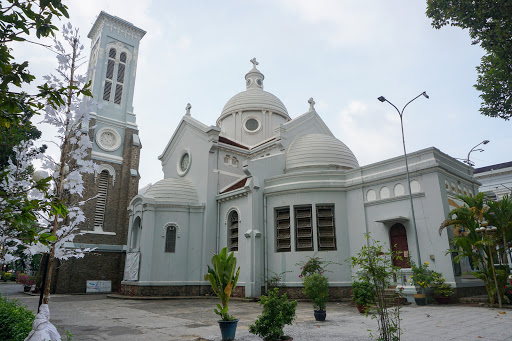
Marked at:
<point>316,287</point>
<point>439,286</point>
<point>15,320</point>
<point>277,312</point>
<point>422,276</point>
<point>363,293</point>
<point>26,280</point>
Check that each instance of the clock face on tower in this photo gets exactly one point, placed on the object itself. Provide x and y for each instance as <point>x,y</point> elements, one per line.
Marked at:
<point>184,162</point>
<point>108,139</point>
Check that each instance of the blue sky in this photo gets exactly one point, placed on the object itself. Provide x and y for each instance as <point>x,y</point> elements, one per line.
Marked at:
<point>344,54</point>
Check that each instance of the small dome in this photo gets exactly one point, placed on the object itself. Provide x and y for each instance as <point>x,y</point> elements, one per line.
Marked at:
<point>319,150</point>
<point>172,189</point>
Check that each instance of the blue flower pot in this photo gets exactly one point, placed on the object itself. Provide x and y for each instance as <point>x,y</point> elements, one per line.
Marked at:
<point>320,315</point>
<point>228,329</point>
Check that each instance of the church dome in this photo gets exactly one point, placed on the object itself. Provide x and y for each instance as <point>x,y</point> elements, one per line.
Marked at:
<point>319,150</point>
<point>254,97</point>
<point>172,189</point>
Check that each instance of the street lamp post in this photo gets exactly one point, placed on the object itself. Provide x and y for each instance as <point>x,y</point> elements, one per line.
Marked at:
<point>401,113</point>
<point>468,161</point>
<point>490,230</point>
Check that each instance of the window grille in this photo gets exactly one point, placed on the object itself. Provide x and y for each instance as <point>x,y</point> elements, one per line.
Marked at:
<point>101,201</point>
<point>283,231</point>
<point>326,232</point>
<point>303,229</point>
<point>119,93</point>
<point>233,231</point>
<point>170,239</point>
<point>107,90</point>
<point>112,53</point>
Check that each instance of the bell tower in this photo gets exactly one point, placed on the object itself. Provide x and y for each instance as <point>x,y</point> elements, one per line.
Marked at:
<point>116,149</point>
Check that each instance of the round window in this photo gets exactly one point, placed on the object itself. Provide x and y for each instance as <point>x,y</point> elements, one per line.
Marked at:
<point>185,160</point>
<point>259,82</point>
<point>252,124</point>
<point>249,82</point>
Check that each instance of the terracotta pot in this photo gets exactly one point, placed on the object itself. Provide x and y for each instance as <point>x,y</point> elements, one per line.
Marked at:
<point>443,299</point>
<point>362,308</point>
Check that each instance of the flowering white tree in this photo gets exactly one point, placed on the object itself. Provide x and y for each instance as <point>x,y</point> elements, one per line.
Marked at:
<point>71,120</point>
<point>40,213</point>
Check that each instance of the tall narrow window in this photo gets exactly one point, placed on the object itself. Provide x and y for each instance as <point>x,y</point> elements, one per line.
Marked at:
<point>120,78</point>
<point>233,231</point>
<point>110,74</point>
<point>135,233</point>
<point>101,201</point>
<point>170,239</point>
<point>303,229</point>
<point>283,237</point>
<point>326,231</point>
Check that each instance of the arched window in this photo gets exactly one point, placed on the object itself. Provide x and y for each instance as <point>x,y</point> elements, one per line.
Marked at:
<point>170,239</point>
<point>136,233</point>
<point>233,231</point>
<point>116,84</point>
<point>101,201</point>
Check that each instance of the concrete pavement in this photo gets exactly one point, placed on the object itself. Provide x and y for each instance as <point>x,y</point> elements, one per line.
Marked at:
<point>97,317</point>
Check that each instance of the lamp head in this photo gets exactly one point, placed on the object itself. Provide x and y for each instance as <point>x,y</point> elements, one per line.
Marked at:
<point>424,93</point>
<point>486,141</point>
<point>382,99</point>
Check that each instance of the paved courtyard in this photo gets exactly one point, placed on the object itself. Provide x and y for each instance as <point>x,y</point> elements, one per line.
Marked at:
<point>98,317</point>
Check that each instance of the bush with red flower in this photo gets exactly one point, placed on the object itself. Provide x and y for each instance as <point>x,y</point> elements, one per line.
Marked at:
<point>508,289</point>
<point>26,280</point>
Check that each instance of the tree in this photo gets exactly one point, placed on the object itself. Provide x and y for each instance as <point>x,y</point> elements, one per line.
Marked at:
<point>19,19</point>
<point>489,23</point>
<point>13,135</point>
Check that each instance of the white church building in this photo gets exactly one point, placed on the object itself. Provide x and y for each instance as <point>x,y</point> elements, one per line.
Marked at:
<point>277,188</point>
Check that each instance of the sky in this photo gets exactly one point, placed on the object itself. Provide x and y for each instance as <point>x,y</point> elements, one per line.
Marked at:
<point>344,54</point>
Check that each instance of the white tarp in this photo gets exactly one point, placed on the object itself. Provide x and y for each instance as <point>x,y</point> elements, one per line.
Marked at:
<point>131,267</point>
<point>42,329</point>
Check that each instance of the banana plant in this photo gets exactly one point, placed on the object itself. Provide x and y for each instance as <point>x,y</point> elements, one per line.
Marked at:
<point>223,279</point>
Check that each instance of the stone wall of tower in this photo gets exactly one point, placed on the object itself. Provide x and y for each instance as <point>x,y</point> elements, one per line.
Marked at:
<point>107,262</point>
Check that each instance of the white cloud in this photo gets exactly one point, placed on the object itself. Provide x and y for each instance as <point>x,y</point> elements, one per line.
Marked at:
<point>370,135</point>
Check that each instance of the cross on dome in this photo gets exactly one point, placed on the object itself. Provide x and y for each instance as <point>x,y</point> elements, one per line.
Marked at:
<point>254,62</point>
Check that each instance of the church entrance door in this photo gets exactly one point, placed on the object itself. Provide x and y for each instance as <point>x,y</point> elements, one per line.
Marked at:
<point>398,238</point>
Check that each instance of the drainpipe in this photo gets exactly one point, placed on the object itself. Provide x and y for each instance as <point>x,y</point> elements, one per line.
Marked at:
<point>265,258</point>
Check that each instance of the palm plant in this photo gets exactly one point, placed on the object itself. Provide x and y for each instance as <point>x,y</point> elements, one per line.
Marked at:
<point>480,248</point>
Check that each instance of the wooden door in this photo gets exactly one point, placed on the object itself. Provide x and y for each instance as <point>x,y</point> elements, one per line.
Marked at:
<point>398,238</point>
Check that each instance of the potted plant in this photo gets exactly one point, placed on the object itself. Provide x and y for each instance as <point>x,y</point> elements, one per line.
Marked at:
<point>277,312</point>
<point>223,279</point>
<point>441,290</point>
<point>27,281</point>
<point>316,287</point>
<point>421,279</point>
<point>363,295</point>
